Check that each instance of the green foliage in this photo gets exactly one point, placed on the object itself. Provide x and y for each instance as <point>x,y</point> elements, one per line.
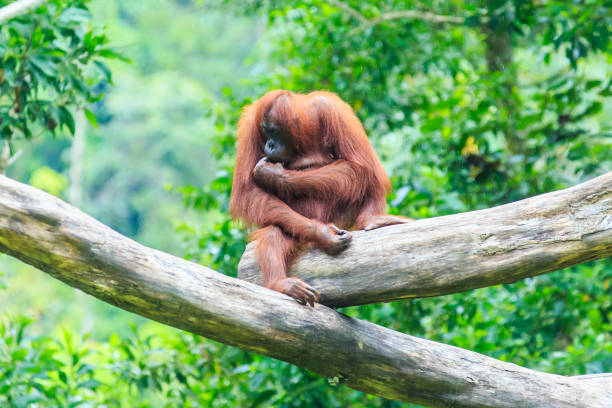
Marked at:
<point>512,101</point>
<point>152,370</point>
<point>50,63</point>
<point>41,370</point>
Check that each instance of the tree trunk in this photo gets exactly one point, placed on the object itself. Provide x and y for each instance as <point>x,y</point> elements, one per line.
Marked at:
<point>59,239</point>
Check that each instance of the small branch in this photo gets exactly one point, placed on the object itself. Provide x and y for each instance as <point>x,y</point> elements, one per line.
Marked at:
<point>5,155</point>
<point>69,245</point>
<point>417,15</point>
<point>14,158</point>
<point>365,23</point>
<point>356,14</point>
<point>460,252</point>
<point>18,7</point>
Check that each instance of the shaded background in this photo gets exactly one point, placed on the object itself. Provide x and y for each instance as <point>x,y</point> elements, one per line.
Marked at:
<point>510,101</point>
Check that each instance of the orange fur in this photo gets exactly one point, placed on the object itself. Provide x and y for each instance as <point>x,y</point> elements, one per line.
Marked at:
<point>335,179</point>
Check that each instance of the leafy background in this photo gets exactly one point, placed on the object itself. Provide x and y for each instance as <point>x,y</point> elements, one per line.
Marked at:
<point>507,100</point>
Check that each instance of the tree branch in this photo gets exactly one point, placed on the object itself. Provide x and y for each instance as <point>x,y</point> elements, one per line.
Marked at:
<point>416,15</point>
<point>460,252</point>
<point>64,242</point>
<point>18,7</point>
<point>366,23</point>
<point>356,14</point>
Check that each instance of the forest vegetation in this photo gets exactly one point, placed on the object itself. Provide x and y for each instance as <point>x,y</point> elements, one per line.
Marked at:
<point>128,110</point>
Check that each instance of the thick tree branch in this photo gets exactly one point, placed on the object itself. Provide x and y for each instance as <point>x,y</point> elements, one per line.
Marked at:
<point>460,252</point>
<point>18,7</point>
<point>73,247</point>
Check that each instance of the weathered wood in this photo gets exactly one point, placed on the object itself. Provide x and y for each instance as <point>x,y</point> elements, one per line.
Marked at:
<point>455,253</point>
<point>64,242</point>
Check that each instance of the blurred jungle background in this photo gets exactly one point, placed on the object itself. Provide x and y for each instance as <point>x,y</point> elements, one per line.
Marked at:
<point>469,104</point>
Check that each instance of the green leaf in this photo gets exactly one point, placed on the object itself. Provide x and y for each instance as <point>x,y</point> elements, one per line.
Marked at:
<point>91,384</point>
<point>592,84</point>
<point>66,118</point>
<point>91,117</point>
<point>263,397</point>
<point>112,54</point>
<point>46,66</point>
<point>19,354</point>
<point>105,70</point>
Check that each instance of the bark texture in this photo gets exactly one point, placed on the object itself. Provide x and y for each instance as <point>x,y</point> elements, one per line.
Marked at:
<point>455,253</point>
<point>73,247</point>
